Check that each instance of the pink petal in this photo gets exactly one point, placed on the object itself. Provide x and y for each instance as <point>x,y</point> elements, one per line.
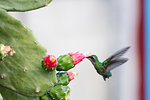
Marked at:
<point>50,61</point>
<point>78,57</point>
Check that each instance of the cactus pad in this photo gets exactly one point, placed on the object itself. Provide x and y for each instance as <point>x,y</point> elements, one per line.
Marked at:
<point>60,92</point>
<point>10,95</point>
<point>23,5</point>
<point>22,73</point>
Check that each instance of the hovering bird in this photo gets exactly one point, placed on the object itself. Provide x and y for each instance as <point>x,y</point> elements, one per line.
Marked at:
<point>109,64</point>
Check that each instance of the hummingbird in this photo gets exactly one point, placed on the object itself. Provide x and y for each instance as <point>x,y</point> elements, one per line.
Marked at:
<point>104,68</point>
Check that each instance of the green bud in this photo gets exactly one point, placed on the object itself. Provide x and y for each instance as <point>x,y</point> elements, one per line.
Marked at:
<point>46,97</point>
<point>60,92</point>
<point>65,62</point>
<point>63,78</point>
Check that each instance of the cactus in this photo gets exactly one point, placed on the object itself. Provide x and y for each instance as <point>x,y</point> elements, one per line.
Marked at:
<point>21,58</point>
<point>22,73</point>
<point>60,92</point>
<point>23,5</point>
<point>26,73</point>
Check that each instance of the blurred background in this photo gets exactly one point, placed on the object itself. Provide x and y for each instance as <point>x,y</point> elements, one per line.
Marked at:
<point>98,26</point>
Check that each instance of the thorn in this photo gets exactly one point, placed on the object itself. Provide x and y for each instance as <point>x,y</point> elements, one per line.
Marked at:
<point>53,68</point>
<point>2,76</point>
<point>1,98</point>
<point>52,84</point>
<point>37,90</point>
<point>46,5</point>
<point>35,42</point>
<point>25,69</point>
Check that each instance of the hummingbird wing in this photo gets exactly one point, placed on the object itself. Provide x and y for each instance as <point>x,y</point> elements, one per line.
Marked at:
<point>119,53</point>
<point>115,63</point>
<point>115,60</point>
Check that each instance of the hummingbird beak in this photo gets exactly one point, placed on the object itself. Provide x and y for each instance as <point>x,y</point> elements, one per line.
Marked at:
<point>89,56</point>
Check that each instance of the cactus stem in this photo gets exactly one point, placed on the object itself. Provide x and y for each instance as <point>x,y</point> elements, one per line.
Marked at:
<point>37,90</point>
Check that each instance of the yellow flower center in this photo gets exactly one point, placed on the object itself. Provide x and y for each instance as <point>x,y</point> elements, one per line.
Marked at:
<point>52,59</point>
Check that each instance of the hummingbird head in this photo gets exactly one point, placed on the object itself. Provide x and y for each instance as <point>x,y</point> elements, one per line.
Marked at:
<point>92,58</point>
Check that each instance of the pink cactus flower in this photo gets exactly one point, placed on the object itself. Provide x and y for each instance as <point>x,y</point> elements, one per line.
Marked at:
<point>50,61</point>
<point>78,57</point>
<point>71,75</point>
